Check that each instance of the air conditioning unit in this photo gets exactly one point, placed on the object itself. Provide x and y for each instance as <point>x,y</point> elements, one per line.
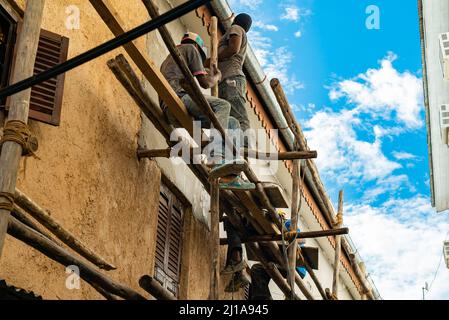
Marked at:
<point>444,54</point>
<point>446,253</point>
<point>444,122</point>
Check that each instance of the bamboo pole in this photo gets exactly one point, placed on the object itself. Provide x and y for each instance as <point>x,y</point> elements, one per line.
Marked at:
<point>11,152</point>
<point>300,144</point>
<point>214,50</point>
<point>107,295</point>
<point>300,138</point>
<point>300,235</point>
<point>215,238</point>
<point>55,252</point>
<point>294,224</point>
<point>23,217</point>
<point>281,156</point>
<point>60,232</point>
<point>123,72</point>
<point>337,246</point>
<point>153,287</point>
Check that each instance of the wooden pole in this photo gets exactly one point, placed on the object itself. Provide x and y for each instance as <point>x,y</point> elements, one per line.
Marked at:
<point>301,235</point>
<point>281,156</point>
<point>293,246</point>
<point>123,72</point>
<point>214,50</point>
<point>337,247</point>
<point>11,152</point>
<point>153,287</point>
<point>55,252</point>
<point>215,238</point>
<point>23,217</point>
<point>301,140</point>
<point>59,231</point>
<point>194,90</point>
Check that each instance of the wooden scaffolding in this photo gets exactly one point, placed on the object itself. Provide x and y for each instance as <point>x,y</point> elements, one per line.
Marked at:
<point>16,207</point>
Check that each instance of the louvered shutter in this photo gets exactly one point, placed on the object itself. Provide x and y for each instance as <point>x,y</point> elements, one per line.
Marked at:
<point>46,97</point>
<point>168,241</point>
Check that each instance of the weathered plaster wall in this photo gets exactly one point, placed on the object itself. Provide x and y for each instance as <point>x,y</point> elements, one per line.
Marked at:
<point>89,176</point>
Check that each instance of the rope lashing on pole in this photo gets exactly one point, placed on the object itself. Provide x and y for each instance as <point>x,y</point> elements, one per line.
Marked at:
<point>8,202</point>
<point>19,132</point>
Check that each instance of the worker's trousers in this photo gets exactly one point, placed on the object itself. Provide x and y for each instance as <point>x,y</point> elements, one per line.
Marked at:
<point>259,290</point>
<point>222,110</point>
<point>233,90</point>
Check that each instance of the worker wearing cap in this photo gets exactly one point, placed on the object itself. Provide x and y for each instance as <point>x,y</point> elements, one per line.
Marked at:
<point>231,56</point>
<point>193,51</point>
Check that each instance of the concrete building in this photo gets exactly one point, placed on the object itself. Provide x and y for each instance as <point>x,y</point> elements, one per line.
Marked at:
<point>92,182</point>
<point>434,25</point>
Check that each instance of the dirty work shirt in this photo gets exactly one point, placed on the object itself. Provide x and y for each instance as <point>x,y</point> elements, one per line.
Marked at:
<point>233,66</point>
<point>172,72</point>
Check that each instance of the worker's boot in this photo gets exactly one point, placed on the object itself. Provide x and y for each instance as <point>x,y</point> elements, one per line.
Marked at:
<point>239,280</point>
<point>234,263</point>
<point>228,168</point>
<point>233,268</point>
<point>236,184</point>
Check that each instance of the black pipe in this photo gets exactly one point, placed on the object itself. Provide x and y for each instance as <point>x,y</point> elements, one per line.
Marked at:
<point>103,49</point>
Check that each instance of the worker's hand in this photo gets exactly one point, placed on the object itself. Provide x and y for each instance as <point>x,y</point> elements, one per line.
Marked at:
<point>216,72</point>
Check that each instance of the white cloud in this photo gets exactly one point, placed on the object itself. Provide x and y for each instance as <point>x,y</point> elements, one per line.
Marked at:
<point>403,155</point>
<point>275,62</point>
<point>263,26</point>
<point>252,4</point>
<point>303,108</point>
<point>279,67</point>
<point>293,13</point>
<point>350,141</point>
<point>342,155</point>
<point>298,34</point>
<point>385,92</point>
<point>401,242</point>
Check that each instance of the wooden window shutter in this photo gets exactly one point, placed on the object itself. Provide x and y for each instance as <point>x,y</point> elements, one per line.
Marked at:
<point>46,97</point>
<point>168,241</point>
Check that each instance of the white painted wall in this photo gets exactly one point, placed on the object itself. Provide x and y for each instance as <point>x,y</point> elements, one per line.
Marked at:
<point>436,21</point>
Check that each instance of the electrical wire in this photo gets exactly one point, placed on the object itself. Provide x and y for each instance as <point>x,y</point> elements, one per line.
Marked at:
<point>439,266</point>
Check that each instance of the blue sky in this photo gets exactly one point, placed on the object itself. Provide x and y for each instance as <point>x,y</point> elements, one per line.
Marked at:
<point>358,95</point>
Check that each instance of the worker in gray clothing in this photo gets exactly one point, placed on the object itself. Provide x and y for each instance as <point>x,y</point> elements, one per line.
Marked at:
<point>231,56</point>
<point>192,50</point>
